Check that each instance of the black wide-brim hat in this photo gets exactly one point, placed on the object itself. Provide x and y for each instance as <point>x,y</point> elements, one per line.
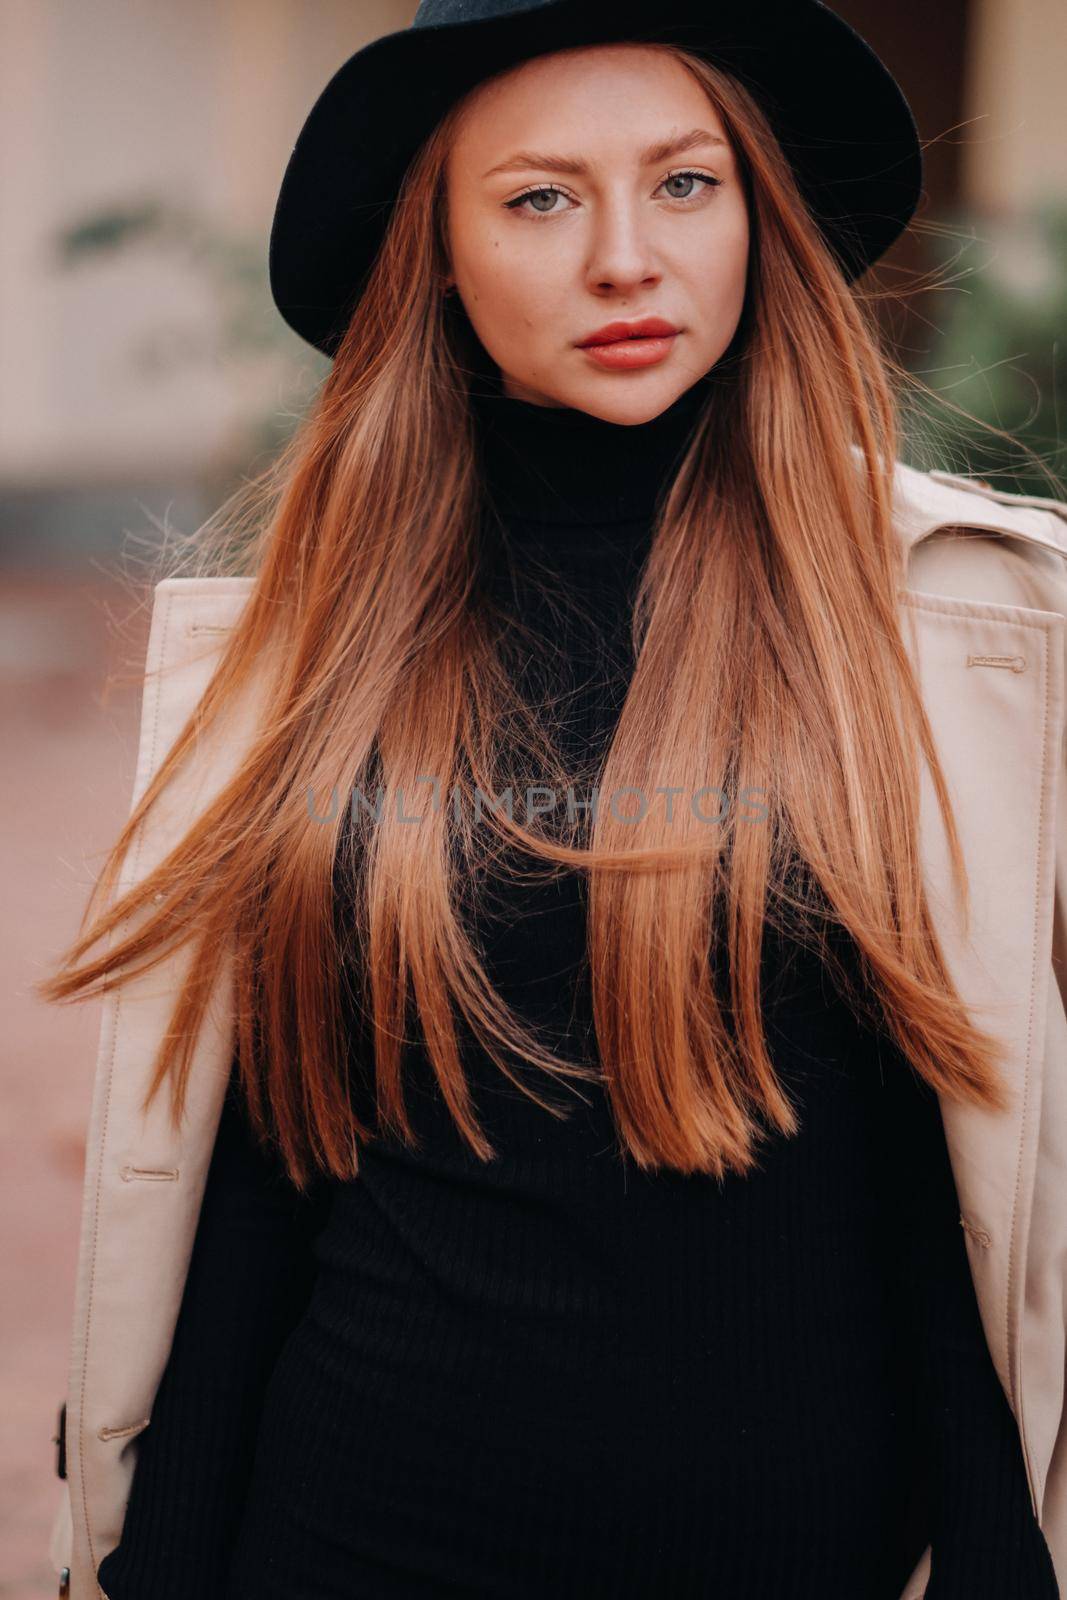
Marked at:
<point>839,113</point>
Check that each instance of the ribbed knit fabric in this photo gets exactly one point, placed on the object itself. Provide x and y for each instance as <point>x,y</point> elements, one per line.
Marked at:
<point>554,1375</point>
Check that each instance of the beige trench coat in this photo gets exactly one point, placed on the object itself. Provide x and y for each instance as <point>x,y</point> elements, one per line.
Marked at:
<point>985,620</point>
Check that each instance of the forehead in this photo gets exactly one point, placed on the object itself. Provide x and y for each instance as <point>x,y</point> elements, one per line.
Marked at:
<point>606,101</point>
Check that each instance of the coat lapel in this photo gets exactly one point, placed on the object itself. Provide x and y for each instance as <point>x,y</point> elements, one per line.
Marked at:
<point>992,677</point>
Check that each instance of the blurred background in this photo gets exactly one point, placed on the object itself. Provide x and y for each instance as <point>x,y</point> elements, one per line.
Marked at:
<point>144,371</point>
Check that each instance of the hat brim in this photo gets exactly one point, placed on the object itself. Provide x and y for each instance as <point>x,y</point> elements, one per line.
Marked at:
<point>838,111</point>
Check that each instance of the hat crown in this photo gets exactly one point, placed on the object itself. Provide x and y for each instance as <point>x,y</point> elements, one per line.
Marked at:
<point>439,13</point>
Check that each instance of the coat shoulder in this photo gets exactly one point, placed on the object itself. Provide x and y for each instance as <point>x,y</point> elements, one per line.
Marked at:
<point>928,502</point>
<point>964,538</point>
<point>190,615</point>
<point>220,596</point>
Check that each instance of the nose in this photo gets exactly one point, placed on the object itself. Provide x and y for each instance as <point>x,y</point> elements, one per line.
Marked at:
<point>621,255</point>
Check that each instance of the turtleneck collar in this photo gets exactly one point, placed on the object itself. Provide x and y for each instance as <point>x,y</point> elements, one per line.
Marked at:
<point>559,466</point>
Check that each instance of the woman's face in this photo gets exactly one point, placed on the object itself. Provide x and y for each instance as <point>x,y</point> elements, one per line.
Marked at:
<point>563,218</point>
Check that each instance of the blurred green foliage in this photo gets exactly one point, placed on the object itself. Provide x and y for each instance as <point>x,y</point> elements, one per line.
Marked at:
<point>242,327</point>
<point>998,348</point>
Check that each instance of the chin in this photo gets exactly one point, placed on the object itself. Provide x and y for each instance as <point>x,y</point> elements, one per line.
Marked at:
<point>630,409</point>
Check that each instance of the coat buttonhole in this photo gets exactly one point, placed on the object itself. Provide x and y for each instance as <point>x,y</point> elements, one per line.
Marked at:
<point>123,1433</point>
<point>1013,663</point>
<point>979,1235</point>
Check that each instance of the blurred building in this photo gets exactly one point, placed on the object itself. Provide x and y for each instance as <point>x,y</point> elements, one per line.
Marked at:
<point>103,104</point>
<point>984,78</point>
<point>196,104</point>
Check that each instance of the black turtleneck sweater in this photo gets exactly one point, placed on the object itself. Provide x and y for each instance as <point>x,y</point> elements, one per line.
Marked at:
<point>554,1375</point>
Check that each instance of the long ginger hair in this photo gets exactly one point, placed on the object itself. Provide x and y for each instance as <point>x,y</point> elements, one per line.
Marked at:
<point>769,659</point>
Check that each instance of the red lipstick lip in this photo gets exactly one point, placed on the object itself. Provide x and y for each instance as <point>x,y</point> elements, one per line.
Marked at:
<point>643,328</point>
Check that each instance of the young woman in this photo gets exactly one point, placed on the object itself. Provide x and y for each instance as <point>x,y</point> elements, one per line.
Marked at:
<point>580,1219</point>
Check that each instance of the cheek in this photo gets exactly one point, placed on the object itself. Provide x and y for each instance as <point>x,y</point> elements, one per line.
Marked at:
<point>513,288</point>
<point>723,286</point>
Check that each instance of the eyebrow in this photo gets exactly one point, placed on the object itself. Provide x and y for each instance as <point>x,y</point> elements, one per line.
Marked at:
<point>662,150</point>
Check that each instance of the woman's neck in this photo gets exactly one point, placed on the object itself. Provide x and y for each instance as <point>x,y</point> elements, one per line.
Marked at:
<point>557,466</point>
